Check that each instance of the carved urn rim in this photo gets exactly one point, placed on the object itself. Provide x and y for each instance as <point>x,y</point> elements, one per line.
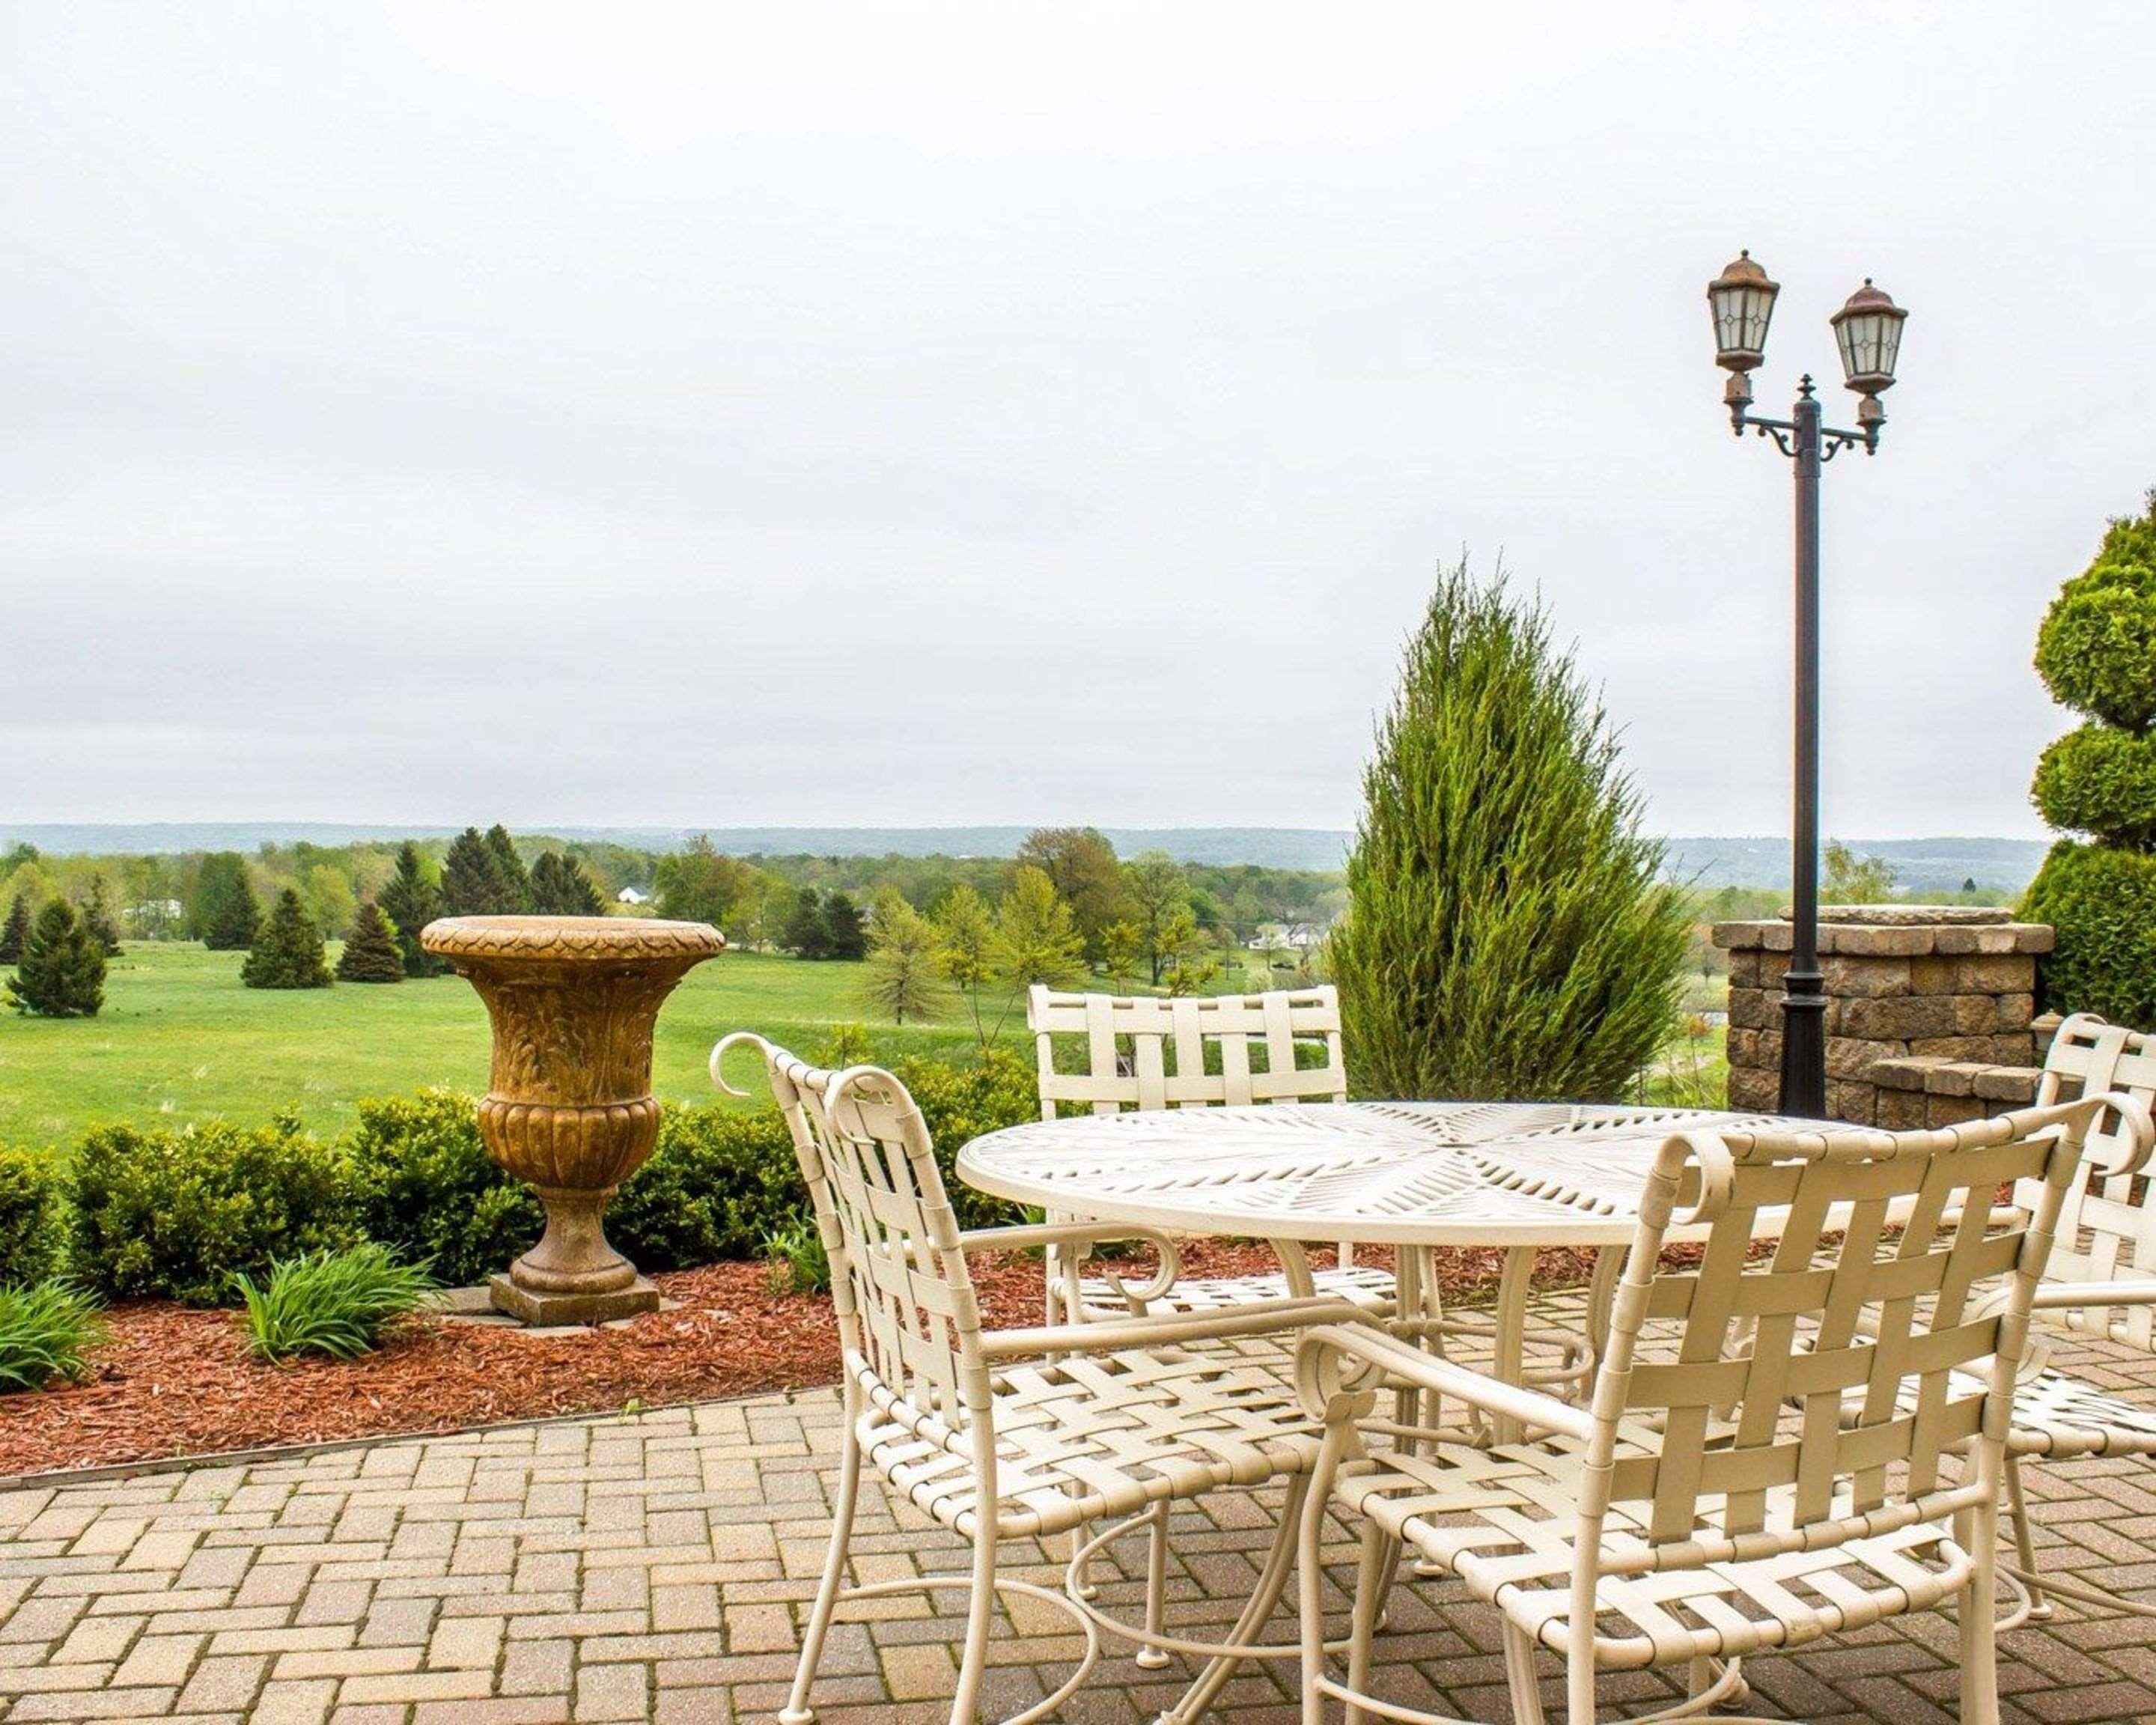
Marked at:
<point>595,940</point>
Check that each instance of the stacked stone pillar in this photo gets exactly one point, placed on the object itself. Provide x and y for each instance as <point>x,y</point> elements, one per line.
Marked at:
<point>1930,1017</point>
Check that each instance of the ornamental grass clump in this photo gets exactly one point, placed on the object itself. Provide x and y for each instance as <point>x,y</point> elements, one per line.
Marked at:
<point>333,1303</point>
<point>2096,652</point>
<point>1508,934</point>
<point>46,1330</point>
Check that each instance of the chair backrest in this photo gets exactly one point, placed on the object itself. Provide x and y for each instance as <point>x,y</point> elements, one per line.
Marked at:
<point>908,1318</point>
<point>1146,1053</point>
<point>2107,1230</point>
<point>1891,1266</point>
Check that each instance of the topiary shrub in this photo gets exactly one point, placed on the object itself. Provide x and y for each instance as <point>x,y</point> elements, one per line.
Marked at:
<point>181,1213</point>
<point>425,1185</point>
<point>2096,652</point>
<point>1508,934</point>
<point>29,1216</point>
<point>718,1183</point>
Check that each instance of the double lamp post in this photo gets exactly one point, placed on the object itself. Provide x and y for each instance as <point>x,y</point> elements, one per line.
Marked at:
<point>1868,330</point>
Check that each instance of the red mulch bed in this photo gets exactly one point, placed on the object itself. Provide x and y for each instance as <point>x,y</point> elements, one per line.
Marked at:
<point>176,1382</point>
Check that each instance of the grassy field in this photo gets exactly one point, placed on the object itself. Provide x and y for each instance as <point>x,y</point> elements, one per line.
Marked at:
<point>180,1039</point>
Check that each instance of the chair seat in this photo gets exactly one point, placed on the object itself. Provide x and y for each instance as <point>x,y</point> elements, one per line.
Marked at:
<point>2060,1416</point>
<point>1094,1435</point>
<point>1505,1522</point>
<point>1371,1288</point>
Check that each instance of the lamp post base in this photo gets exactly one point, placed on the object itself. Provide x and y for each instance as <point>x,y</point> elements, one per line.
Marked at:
<point>1804,1045</point>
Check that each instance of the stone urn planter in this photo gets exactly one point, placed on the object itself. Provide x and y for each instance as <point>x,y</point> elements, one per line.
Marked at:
<point>569,1106</point>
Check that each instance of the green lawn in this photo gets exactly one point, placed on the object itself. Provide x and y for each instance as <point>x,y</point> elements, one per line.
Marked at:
<point>181,1039</point>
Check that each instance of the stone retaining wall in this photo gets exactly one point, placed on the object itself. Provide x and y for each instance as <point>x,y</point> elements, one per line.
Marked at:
<point>1924,1003</point>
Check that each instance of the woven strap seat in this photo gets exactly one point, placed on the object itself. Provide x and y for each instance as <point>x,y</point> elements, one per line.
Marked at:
<point>1085,1437</point>
<point>1506,1522</point>
<point>1370,1288</point>
<point>2058,1418</point>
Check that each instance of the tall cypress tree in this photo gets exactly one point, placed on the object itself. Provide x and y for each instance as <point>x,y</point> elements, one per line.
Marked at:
<point>288,952</point>
<point>98,918</point>
<point>370,953</point>
<point>411,900</point>
<point>509,867</point>
<point>16,931</point>
<point>471,880</point>
<point>61,973</point>
<point>1508,934</point>
<point>224,914</point>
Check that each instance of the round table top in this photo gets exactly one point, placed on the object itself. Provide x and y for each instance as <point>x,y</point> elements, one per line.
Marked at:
<point>1399,1174</point>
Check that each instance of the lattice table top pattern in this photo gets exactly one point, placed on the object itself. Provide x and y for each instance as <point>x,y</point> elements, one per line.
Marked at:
<point>1399,1174</point>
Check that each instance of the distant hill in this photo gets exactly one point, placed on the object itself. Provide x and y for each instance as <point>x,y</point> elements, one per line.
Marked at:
<point>2005,866</point>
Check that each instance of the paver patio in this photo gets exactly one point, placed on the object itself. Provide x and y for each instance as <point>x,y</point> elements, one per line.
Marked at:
<point>651,1567</point>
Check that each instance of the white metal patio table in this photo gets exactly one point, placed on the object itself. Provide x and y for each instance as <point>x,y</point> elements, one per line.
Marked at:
<point>1420,1177</point>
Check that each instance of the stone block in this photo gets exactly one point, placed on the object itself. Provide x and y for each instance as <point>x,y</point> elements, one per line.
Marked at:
<point>1748,937</point>
<point>1974,1014</point>
<point>1951,1110</point>
<point>1753,1089</point>
<point>1898,1110</point>
<point>2015,1085</point>
<point>2007,974</point>
<point>2016,1050</point>
<point>1954,1048</point>
<point>2016,1012</point>
<point>2027,938</point>
<point>1851,978</point>
<point>1952,1078</point>
<point>1753,1009</point>
<point>1850,1057</point>
<point>1853,1102</point>
<point>1876,942</point>
<point>1902,1020</point>
<point>1901,1072</point>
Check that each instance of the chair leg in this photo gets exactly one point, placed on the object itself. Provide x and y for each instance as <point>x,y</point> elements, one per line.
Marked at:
<point>798,1711</point>
<point>1265,1600</point>
<point>1980,1630</point>
<point>1380,1556</point>
<point>980,1612</point>
<point>1520,1680</point>
<point>1310,1596</point>
<point>2024,1542</point>
<point>1151,1659</point>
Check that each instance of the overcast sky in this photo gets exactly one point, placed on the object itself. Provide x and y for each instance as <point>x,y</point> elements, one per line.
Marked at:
<point>841,414</point>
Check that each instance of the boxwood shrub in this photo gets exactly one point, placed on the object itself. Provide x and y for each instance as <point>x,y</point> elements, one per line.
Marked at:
<point>180,1213</point>
<point>426,1187</point>
<point>30,1182</point>
<point>2102,902</point>
<point>718,1181</point>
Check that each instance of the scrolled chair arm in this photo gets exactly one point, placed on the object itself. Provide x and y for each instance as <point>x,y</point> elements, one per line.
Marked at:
<point>1030,1236</point>
<point>1339,1370</point>
<point>724,1046</point>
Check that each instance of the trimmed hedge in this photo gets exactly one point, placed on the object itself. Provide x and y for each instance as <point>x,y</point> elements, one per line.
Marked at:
<point>2100,779</point>
<point>30,1189</point>
<point>426,1187</point>
<point>181,1213</point>
<point>2102,902</point>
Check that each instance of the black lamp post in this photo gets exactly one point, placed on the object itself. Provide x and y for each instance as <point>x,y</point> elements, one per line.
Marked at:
<point>1868,330</point>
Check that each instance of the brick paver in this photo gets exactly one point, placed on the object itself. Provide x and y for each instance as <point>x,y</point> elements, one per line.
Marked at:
<point>655,1567</point>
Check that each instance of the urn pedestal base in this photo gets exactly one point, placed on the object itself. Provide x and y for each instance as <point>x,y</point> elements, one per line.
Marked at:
<point>532,1307</point>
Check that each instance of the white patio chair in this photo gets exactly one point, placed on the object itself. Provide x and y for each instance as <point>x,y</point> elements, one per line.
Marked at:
<point>1167,1066</point>
<point>1016,1434</point>
<point>1631,1537</point>
<point>2100,1281</point>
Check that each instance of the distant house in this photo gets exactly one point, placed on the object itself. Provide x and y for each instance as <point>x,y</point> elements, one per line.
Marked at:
<point>1299,937</point>
<point>632,895</point>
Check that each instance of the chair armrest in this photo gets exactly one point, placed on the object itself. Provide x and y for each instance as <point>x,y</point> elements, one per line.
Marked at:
<point>2065,1296</point>
<point>1107,1335</point>
<point>1321,1355</point>
<point>1028,1236</point>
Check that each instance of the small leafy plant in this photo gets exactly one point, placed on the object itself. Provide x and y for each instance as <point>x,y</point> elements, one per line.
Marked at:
<point>333,1303</point>
<point>47,1330</point>
<point>795,1260</point>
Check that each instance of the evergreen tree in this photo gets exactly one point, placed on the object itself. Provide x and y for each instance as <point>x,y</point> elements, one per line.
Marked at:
<point>472,884</point>
<point>516,884</point>
<point>98,918</point>
<point>17,930</point>
<point>561,888</point>
<point>288,951</point>
<point>1508,935</point>
<point>224,914</point>
<point>411,900</point>
<point>370,953</point>
<point>61,973</point>
<point>805,932</point>
<point>905,976</point>
<point>845,935</point>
